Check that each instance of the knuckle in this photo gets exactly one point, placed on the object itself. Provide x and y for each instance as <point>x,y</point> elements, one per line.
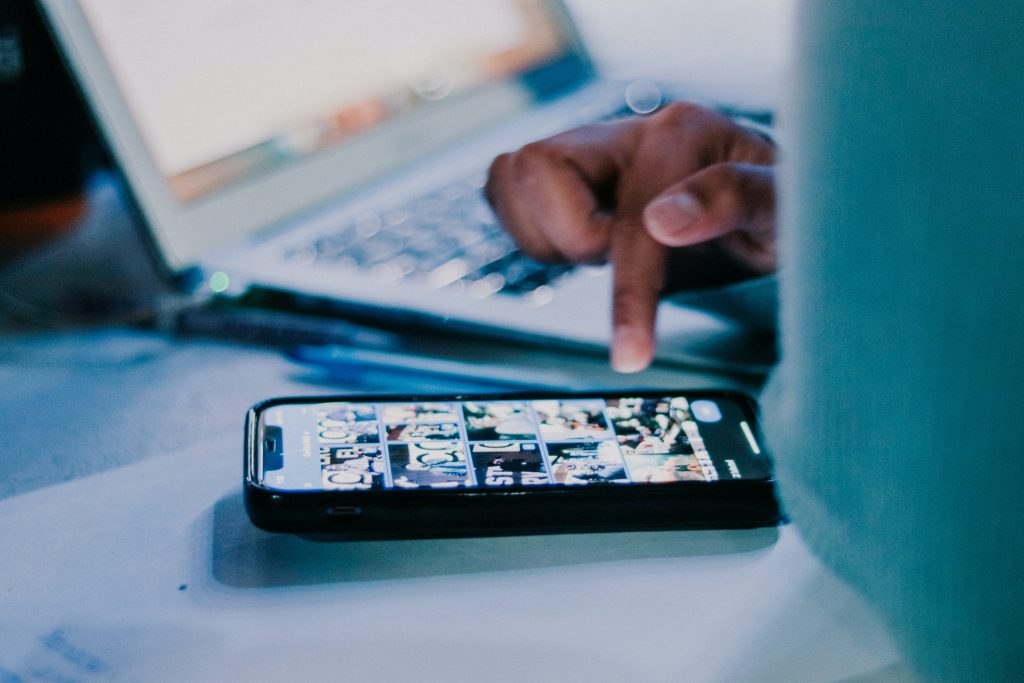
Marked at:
<point>747,181</point>
<point>720,189</point>
<point>497,175</point>
<point>742,192</point>
<point>632,299</point>
<point>629,308</point>
<point>679,110</point>
<point>677,114</point>
<point>499,163</point>
<point>693,118</point>
<point>538,150</point>
<point>543,253</point>
<point>757,149</point>
<point>725,174</point>
<point>524,164</point>
<point>623,307</point>
<point>584,248</point>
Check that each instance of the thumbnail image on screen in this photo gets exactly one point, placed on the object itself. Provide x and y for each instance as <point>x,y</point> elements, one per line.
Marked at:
<point>515,443</point>
<point>496,421</point>
<point>508,463</point>
<point>440,464</point>
<point>585,463</point>
<point>352,468</point>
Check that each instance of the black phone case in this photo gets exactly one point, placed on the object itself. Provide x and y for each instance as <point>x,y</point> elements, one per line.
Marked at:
<point>556,508</point>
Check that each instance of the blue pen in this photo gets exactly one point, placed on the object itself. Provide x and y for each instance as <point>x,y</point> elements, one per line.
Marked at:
<point>347,362</point>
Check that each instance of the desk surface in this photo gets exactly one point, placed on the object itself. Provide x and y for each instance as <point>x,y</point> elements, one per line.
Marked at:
<point>128,555</point>
<point>151,571</point>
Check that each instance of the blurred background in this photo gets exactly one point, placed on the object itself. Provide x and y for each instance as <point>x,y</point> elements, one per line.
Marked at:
<point>730,51</point>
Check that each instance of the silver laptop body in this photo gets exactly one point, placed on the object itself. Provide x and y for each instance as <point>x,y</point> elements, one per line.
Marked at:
<point>366,195</point>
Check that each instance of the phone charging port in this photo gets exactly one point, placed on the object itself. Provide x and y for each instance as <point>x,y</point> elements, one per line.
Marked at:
<point>345,511</point>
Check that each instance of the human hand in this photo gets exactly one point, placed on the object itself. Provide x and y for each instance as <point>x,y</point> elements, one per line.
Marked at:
<point>680,199</point>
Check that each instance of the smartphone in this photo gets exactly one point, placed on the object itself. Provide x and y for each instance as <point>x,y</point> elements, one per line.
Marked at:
<point>406,466</point>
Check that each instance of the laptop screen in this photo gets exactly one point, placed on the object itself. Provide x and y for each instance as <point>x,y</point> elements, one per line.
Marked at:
<point>224,90</point>
<point>230,115</point>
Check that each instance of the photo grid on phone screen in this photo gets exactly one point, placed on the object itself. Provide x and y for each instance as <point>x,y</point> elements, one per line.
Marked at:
<point>498,443</point>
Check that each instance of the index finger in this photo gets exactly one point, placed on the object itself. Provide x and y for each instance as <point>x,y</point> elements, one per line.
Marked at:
<point>638,277</point>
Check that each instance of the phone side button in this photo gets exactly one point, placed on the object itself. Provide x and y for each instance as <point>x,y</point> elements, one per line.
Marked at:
<point>345,511</point>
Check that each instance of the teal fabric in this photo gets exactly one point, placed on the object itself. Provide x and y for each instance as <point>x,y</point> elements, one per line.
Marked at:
<point>895,414</point>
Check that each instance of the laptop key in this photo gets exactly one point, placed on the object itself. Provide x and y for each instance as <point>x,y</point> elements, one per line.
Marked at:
<point>429,256</point>
<point>367,225</point>
<point>486,286</point>
<point>328,247</point>
<point>522,267</point>
<point>458,232</point>
<point>447,238</point>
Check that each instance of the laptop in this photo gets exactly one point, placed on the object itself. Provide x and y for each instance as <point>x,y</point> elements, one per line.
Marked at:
<point>333,153</point>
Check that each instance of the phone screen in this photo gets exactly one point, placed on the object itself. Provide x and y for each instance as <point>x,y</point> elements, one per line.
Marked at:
<point>491,444</point>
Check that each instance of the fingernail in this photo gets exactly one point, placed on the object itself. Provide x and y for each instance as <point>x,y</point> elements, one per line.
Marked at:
<point>631,352</point>
<point>673,214</point>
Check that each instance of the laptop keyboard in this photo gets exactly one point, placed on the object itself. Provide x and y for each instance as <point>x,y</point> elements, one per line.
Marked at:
<point>448,238</point>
